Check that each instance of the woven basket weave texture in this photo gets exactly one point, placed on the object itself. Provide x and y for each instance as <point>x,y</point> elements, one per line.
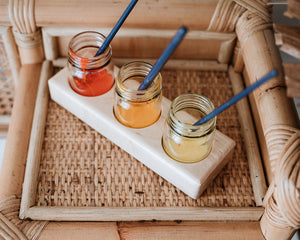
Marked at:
<point>80,167</point>
<point>6,83</point>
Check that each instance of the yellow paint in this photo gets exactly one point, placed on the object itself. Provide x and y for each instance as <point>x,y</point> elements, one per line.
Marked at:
<point>185,149</point>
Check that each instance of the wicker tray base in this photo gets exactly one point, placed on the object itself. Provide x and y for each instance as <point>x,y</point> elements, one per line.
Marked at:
<point>81,169</point>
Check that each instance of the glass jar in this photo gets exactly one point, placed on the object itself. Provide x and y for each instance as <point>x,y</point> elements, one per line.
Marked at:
<point>181,140</point>
<point>89,75</point>
<point>137,108</point>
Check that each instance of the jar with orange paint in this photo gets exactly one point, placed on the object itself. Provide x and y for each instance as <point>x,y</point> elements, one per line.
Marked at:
<point>89,75</point>
<point>137,108</point>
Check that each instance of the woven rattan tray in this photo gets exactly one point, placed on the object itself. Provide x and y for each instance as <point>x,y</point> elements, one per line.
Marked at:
<point>74,173</point>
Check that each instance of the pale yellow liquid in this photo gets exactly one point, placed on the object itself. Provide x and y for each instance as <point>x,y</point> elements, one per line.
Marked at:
<point>191,146</point>
<point>187,150</point>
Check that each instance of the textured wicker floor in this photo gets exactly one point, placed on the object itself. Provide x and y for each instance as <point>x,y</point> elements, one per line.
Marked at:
<point>6,83</point>
<point>79,167</point>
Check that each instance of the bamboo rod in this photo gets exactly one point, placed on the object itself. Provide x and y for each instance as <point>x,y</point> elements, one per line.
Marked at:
<point>153,230</point>
<point>259,130</point>
<point>50,46</point>
<point>147,43</point>
<point>152,47</point>
<point>31,55</point>
<point>160,213</point>
<point>194,14</point>
<point>226,51</point>
<point>261,59</point>
<point>36,140</point>
<point>274,108</point>
<point>13,166</point>
<point>12,53</point>
<point>237,59</point>
<point>141,32</point>
<point>190,230</point>
<point>252,149</point>
<point>181,64</point>
<point>80,230</point>
<point>204,65</point>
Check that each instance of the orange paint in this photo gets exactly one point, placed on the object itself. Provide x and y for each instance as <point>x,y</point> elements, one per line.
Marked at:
<point>92,83</point>
<point>133,108</point>
<point>138,115</point>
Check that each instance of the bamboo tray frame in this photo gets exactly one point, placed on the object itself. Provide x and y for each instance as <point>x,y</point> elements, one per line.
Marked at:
<point>254,54</point>
<point>219,62</point>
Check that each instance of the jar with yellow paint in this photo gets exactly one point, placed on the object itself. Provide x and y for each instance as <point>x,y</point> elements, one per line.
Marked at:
<point>132,107</point>
<point>181,140</point>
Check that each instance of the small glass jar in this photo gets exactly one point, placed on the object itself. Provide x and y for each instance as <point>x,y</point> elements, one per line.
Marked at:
<point>181,140</point>
<point>89,75</point>
<point>132,107</point>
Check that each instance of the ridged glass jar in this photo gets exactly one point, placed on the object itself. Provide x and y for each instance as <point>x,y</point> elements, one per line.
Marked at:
<point>89,75</point>
<point>181,140</point>
<point>137,108</point>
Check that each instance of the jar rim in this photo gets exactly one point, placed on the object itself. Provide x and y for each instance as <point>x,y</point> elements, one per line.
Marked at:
<point>137,95</point>
<point>187,129</point>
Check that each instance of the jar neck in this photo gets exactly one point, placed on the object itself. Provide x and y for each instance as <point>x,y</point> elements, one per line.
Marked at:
<point>181,121</point>
<point>129,79</point>
<point>82,50</point>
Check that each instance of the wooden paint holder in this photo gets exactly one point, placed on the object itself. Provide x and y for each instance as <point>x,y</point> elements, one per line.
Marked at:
<point>145,146</point>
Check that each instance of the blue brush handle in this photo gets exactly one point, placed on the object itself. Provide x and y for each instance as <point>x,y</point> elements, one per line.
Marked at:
<point>163,58</point>
<point>237,97</point>
<point>116,28</point>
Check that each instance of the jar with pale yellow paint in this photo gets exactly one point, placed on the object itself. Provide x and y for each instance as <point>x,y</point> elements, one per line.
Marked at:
<point>181,140</point>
